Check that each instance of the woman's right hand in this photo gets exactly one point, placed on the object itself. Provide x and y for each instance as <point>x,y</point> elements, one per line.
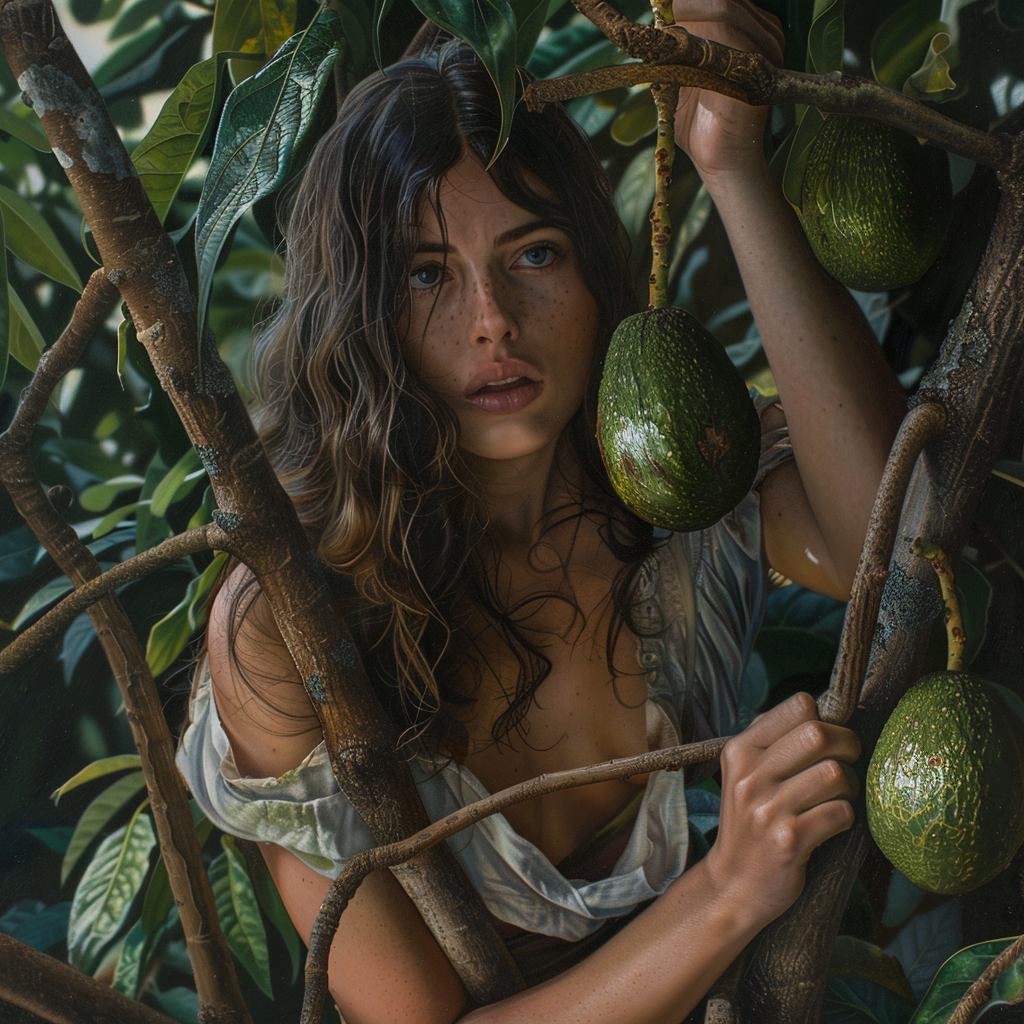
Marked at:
<point>787,786</point>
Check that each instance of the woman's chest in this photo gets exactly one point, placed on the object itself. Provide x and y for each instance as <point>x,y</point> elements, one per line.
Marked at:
<point>590,706</point>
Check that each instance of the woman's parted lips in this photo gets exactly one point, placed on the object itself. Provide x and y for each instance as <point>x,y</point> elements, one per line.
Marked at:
<point>503,372</point>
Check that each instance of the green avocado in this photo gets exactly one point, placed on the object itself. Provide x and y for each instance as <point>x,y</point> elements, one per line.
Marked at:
<point>875,203</point>
<point>678,432</point>
<point>945,785</point>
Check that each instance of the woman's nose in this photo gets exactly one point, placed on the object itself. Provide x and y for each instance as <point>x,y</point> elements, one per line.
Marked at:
<point>494,318</point>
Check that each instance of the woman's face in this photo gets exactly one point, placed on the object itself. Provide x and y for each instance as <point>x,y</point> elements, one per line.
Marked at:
<point>500,324</point>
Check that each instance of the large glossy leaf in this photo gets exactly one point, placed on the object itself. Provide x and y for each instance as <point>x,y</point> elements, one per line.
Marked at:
<point>18,553</point>
<point>108,888</point>
<point>850,999</point>
<point>32,240</point>
<point>96,817</point>
<point>825,40</point>
<point>35,924</point>
<point>42,599</point>
<point>239,913</point>
<point>179,133</point>
<point>96,770</point>
<point>263,121</point>
<point>926,942</point>
<point>181,478</point>
<point>974,592</point>
<point>252,26</point>
<point>958,973</point>
<point>169,637</point>
<point>99,497</point>
<point>26,129</point>
<point>811,119</point>
<point>489,26</point>
<point>78,638</point>
<point>25,339</point>
<point>5,306</point>
<point>901,42</point>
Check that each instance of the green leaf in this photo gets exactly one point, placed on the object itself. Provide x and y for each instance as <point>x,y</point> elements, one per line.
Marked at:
<point>26,340</point>
<point>55,838</point>
<point>850,999</point>
<point>959,972</point>
<point>239,913</point>
<point>636,119</point>
<point>25,129</point>
<point>32,240</point>
<point>530,16</point>
<point>122,348</point>
<point>35,924</point>
<point>1012,471</point>
<point>900,43</point>
<point>182,1004</point>
<point>489,26</point>
<point>933,76</point>
<point>99,497</point>
<point>159,899</point>
<point>264,119</point>
<point>41,599</point>
<point>5,306</point>
<point>169,637</point>
<point>107,890</point>
<point>259,27</point>
<point>129,54</point>
<point>635,192</point>
<point>975,595</point>
<point>180,480</point>
<point>825,39</point>
<point>793,177</point>
<point>96,770</point>
<point>117,515</point>
<point>96,817</point>
<point>272,905</point>
<point>179,133</point>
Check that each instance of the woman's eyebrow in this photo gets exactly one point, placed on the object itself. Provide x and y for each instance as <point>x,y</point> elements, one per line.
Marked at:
<point>505,238</point>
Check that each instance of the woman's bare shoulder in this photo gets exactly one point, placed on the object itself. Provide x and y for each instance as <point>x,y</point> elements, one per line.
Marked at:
<point>260,697</point>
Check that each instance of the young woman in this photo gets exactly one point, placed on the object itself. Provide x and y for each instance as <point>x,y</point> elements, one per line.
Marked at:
<point>429,386</point>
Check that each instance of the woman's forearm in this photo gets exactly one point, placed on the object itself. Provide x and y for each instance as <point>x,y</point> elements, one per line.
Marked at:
<point>655,970</point>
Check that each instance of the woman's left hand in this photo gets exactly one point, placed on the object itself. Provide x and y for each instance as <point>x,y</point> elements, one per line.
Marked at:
<point>722,134</point>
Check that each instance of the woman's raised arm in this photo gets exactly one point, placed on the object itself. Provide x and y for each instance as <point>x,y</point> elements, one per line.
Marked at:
<point>842,402</point>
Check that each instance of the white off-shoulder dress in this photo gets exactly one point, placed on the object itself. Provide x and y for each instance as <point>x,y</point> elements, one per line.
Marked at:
<point>702,593</point>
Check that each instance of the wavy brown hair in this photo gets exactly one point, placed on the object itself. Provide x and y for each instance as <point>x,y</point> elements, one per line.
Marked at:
<point>368,454</point>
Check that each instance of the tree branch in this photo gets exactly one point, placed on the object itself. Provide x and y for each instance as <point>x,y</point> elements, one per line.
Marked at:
<point>358,867</point>
<point>211,958</point>
<point>673,56</point>
<point>56,992</point>
<point>922,424</point>
<point>55,621</point>
<point>981,990</point>
<point>252,506</point>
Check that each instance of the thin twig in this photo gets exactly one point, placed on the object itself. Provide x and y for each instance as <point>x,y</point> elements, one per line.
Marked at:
<point>955,638</point>
<point>921,424</point>
<point>665,99</point>
<point>358,867</point>
<point>55,621</point>
<point>981,990</point>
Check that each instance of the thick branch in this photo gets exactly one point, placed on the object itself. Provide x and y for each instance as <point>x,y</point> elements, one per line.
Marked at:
<point>252,506</point>
<point>838,702</point>
<point>214,969</point>
<point>351,877</point>
<point>55,621</point>
<point>56,992</point>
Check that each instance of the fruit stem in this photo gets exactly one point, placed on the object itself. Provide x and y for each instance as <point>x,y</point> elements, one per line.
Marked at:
<point>955,638</point>
<point>665,97</point>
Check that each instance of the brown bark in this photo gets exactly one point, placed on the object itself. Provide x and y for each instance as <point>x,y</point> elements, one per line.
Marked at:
<point>253,511</point>
<point>214,969</point>
<point>979,378</point>
<point>55,992</point>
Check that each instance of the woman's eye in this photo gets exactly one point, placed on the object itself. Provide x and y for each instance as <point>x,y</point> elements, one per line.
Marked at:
<point>427,277</point>
<point>538,256</point>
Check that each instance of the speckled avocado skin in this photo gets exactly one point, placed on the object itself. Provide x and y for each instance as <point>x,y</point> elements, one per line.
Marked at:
<point>875,203</point>
<point>678,432</point>
<point>945,785</point>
